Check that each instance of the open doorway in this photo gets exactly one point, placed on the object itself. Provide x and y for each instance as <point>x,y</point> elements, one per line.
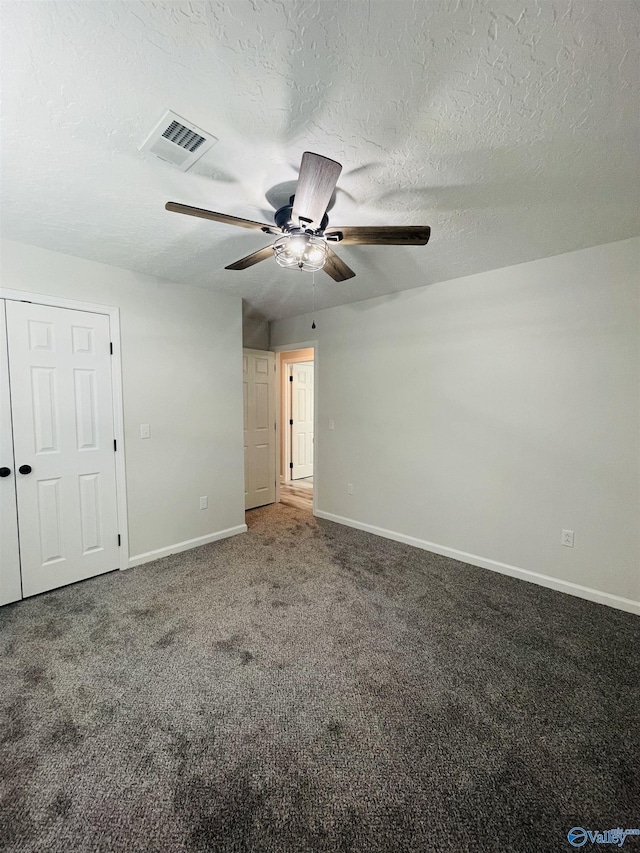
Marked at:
<point>297,416</point>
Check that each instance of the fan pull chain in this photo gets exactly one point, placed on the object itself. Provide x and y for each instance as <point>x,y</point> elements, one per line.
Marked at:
<point>313,287</point>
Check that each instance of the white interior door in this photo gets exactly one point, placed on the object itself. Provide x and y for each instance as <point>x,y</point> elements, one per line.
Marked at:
<point>302,417</point>
<point>258,369</point>
<point>10,588</point>
<point>61,401</point>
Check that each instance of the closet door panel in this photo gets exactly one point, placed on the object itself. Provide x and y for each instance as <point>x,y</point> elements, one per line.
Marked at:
<point>60,375</point>
<point>10,587</point>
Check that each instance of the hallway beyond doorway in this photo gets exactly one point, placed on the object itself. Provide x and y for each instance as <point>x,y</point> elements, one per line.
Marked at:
<point>297,493</point>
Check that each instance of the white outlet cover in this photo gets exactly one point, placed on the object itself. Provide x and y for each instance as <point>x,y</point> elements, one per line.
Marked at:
<point>204,502</point>
<point>145,431</point>
<point>567,538</point>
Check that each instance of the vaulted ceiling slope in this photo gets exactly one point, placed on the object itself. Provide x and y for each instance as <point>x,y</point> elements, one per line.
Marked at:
<point>509,127</point>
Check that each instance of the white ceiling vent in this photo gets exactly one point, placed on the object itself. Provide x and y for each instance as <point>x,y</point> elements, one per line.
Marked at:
<point>178,141</point>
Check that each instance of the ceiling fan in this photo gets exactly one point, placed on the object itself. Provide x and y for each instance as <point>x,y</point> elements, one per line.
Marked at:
<point>302,226</point>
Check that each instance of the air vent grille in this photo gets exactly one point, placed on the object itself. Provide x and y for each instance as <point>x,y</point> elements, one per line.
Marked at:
<point>177,141</point>
<point>183,137</point>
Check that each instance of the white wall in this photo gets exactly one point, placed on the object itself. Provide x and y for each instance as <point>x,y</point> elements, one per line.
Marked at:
<point>485,414</point>
<point>182,374</point>
<point>255,328</point>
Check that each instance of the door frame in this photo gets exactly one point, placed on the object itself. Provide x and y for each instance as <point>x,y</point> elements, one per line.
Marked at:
<point>279,425</point>
<point>116,394</point>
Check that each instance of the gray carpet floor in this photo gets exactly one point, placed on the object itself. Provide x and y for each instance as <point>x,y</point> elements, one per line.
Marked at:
<point>307,687</point>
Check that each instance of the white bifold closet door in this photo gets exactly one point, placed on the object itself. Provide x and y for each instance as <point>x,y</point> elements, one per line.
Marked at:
<point>10,586</point>
<point>63,436</point>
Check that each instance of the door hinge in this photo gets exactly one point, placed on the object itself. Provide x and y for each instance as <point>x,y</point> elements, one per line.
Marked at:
<point>119,542</point>
<point>291,422</point>
<point>111,347</point>
<point>291,379</point>
<point>290,464</point>
<point>115,445</point>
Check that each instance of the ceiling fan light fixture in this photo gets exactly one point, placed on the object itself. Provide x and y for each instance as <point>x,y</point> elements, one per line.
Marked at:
<point>305,245</point>
<point>301,251</point>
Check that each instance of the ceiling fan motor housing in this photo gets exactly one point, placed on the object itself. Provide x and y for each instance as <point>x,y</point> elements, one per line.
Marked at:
<point>284,220</point>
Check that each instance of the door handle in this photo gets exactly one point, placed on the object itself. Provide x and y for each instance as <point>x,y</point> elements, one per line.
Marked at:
<point>25,469</point>
<point>4,472</point>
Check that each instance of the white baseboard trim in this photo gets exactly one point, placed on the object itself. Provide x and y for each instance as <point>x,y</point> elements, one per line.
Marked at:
<point>596,595</point>
<point>148,556</point>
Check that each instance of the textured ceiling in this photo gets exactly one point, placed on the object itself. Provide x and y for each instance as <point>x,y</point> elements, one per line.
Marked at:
<point>509,127</point>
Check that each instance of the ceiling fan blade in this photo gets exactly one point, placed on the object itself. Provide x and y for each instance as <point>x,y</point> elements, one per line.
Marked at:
<point>174,207</point>
<point>402,235</point>
<point>250,260</point>
<point>317,181</point>
<point>336,267</point>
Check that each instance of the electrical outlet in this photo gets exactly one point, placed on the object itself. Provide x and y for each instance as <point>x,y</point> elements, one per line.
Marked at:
<point>349,488</point>
<point>567,538</point>
<point>204,502</point>
<point>145,431</point>
<point>332,424</point>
